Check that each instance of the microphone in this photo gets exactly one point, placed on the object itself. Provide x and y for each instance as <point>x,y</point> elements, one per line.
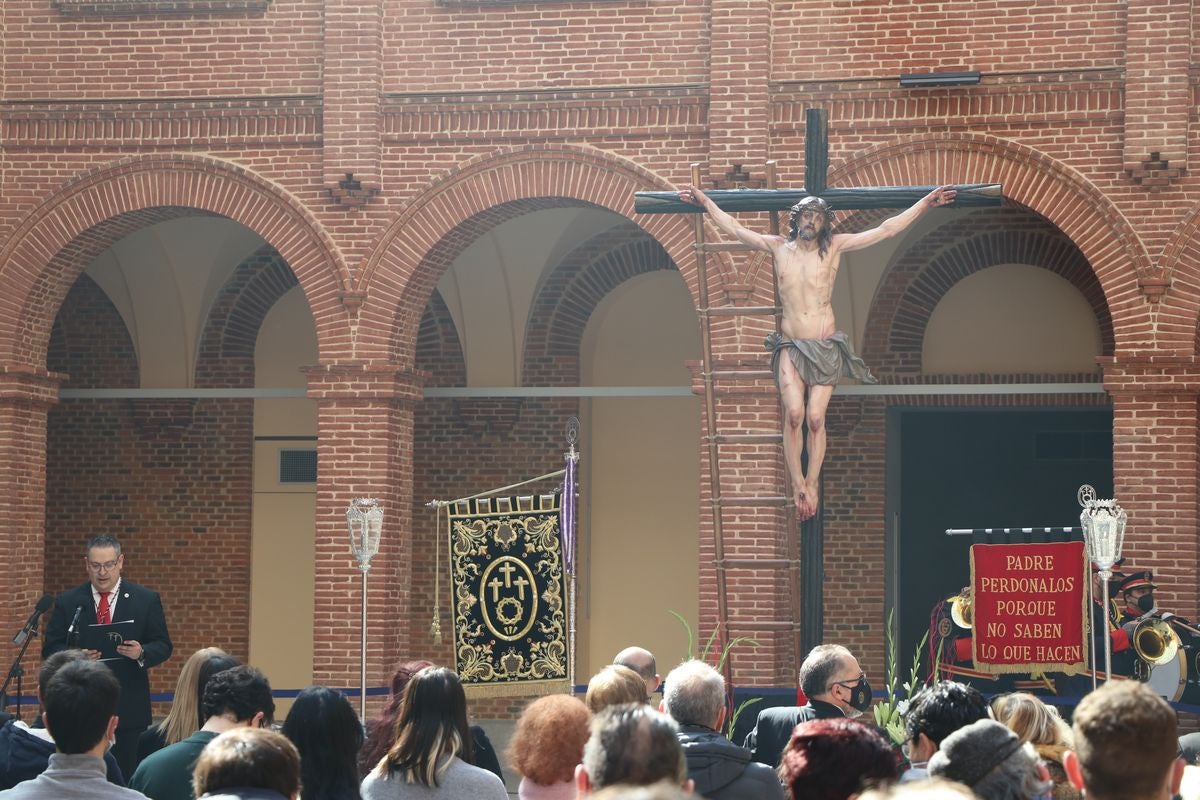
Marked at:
<point>72,629</point>
<point>32,623</point>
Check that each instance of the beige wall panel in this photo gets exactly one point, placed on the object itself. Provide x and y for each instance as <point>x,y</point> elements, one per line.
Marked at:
<point>1011,318</point>
<point>641,476</point>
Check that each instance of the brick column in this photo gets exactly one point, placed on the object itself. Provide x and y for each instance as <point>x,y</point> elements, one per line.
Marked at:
<point>738,106</point>
<point>351,115</point>
<point>26,394</point>
<point>1157,90</point>
<point>1155,469</point>
<point>364,449</point>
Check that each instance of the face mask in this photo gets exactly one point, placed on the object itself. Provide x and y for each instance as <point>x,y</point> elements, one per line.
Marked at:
<point>1146,603</point>
<point>860,695</point>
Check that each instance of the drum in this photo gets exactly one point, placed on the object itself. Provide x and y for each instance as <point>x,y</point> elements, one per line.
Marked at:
<point>1169,679</point>
<point>1168,660</point>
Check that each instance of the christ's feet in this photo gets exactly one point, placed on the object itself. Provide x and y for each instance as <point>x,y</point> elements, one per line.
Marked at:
<point>805,504</point>
<point>812,497</point>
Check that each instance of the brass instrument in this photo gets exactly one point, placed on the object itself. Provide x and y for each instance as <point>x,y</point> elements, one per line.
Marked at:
<point>1155,641</point>
<point>962,608</point>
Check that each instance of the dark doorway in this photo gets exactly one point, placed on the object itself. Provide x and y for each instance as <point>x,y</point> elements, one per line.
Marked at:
<point>973,469</point>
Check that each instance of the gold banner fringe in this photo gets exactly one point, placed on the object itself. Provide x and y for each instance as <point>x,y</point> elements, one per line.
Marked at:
<point>516,689</point>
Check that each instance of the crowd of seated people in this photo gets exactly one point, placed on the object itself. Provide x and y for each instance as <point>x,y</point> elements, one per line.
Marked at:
<point>220,741</point>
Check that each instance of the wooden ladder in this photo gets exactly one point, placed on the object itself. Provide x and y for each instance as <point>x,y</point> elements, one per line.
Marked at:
<point>791,563</point>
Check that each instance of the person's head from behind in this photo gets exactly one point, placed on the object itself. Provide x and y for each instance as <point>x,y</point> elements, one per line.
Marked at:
<point>614,685</point>
<point>694,694</point>
<point>548,742</point>
<point>326,731</point>
<point>53,663</point>
<point>240,695</point>
<point>381,731</point>
<point>80,704</point>
<point>925,789</point>
<point>1126,744</point>
<point>431,729</point>
<point>1031,720</point>
<point>248,758</point>
<point>663,790</point>
<point>832,759</point>
<point>641,661</point>
<point>631,744</point>
<point>938,711</point>
<point>186,713</point>
<point>989,759</point>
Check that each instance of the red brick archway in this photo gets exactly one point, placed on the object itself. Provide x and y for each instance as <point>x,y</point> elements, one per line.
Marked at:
<point>409,257</point>
<point>562,307</point>
<point>917,280</point>
<point>1039,182</point>
<point>52,246</point>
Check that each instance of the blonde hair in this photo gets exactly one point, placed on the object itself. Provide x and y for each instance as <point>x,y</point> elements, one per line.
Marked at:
<point>613,686</point>
<point>1031,720</point>
<point>184,717</point>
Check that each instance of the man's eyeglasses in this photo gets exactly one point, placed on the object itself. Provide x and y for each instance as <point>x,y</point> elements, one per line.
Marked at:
<point>107,566</point>
<point>849,684</point>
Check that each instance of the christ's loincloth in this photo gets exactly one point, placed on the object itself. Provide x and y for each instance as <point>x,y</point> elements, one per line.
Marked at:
<point>819,362</point>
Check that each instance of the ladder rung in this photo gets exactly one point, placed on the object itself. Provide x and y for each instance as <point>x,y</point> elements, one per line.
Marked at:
<point>748,438</point>
<point>734,311</point>
<point>763,625</point>
<point>758,563</point>
<point>722,247</point>
<point>742,373</point>
<point>753,501</point>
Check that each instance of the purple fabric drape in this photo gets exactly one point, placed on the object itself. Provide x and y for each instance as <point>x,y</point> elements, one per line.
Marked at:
<point>567,515</point>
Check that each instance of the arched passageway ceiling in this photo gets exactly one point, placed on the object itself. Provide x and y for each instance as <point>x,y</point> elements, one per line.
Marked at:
<point>1060,194</point>
<point>59,239</point>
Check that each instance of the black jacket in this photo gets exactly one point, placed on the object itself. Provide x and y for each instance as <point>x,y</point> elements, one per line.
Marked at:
<point>24,756</point>
<point>724,771</point>
<point>774,727</point>
<point>139,604</point>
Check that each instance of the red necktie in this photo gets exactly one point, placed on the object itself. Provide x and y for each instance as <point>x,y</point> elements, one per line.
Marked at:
<point>102,611</point>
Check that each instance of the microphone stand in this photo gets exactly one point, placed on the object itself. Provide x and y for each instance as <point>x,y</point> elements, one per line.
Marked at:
<point>17,671</point>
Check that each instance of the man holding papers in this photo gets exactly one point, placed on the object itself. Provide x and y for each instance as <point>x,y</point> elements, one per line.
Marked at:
<point>124,620</point>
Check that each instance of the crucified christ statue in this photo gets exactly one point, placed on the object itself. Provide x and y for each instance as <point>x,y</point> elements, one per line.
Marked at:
<point>806,264</point>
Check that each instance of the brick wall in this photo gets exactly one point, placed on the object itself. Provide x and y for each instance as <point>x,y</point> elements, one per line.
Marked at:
<point>112,121</point>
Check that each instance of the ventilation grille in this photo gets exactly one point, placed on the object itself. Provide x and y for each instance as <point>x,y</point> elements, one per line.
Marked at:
<point>297,466</point>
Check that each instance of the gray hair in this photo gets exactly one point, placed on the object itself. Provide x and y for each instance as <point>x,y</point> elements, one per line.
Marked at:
<point>633,744</point>
<point>819,667</point>
<point>1015,778</point>
<point>104,540</point>
<point>694,693</point>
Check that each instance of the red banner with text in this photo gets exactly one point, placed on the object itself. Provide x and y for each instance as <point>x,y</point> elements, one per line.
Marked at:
<point>1028,607</point>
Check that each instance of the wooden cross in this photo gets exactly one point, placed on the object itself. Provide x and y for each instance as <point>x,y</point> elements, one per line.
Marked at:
<point>816,170</point>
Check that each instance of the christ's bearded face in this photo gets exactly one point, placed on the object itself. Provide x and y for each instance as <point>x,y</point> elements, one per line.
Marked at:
<point>809,224</point>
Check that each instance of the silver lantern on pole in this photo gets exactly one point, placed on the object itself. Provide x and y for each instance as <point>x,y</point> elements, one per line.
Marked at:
<point>364,520</point>
<point>1103,523</point>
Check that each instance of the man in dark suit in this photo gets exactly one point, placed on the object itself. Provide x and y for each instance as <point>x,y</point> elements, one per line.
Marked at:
<point>835,686</point>
<point>108,598</point>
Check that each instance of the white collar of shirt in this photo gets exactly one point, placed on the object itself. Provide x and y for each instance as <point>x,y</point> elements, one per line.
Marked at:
<point>112,599</point>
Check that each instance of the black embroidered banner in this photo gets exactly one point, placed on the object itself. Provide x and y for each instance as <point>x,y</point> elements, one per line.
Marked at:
<point>510,625</point>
